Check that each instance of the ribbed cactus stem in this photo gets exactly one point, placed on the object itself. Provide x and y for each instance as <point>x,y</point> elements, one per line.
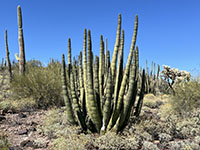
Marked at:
<point>137,59</point>
<point>141,96</point>
<point>119,71</point>
<point>96,75</point>
<point>73,93</point>
<point>108,59</point>
<point>68,104</point>
<point>19,14</point>
<point>77,109</point>
<point>7,56</point>
<point>151,73</point>
<point>101,72</point>
<point>82,91</point>
<point>130,97</point>
<point>107,105</point>
<point>116,48</point>
<point>106,51</point>
<point>85,65</point>
<point>158,72</point>
<point>69,51</point>
<point>80,71</point>
<point>92,102</point>
<point>124,80</point>
<point>22,60</point>
<point>69,58</point>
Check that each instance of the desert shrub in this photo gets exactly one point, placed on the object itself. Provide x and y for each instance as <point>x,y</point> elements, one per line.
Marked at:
<point>184,145</point>
<point>149,146</point>
<point>52,123</point>
<point>4,143</point>
<point>112,141</point>
<point>165,110</point>
<point>41,83</point>
<point>150,101</point>
<point>188,127</point>
<point>63,136</point>
<point>164,137</point>
<point>18,104</point>
<point>197,139</point>
<point>186,98</point>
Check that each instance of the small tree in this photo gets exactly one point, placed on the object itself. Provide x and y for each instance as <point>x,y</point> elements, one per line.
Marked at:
<point>174,76</point>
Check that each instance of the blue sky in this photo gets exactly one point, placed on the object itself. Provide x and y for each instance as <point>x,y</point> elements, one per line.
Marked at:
<point>169,30</point>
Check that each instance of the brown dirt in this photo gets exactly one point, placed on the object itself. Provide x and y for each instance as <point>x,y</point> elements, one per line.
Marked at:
<point>21,129</point>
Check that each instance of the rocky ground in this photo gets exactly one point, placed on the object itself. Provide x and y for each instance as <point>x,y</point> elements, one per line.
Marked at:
<point>20,128</point>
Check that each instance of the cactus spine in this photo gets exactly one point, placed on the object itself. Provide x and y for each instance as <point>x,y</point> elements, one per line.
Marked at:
<point>22,60</point>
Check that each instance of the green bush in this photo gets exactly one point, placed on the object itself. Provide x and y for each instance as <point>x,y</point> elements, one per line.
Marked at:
<point>186,98</point>
<point>40,83</point>
<point>18,104</point>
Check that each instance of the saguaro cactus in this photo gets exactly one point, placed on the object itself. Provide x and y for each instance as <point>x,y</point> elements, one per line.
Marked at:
<point>22,60</point>
<point>7,56</point>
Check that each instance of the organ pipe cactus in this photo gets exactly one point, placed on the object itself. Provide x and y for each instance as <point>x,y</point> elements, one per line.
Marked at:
<point>22,60</point>
<point>70,114</point>
<point>119,102</point>
<point>103,104</point>
<point>153,79</point>
<point>69,57</point>
<point>101,70</point>
<point>116,49</point>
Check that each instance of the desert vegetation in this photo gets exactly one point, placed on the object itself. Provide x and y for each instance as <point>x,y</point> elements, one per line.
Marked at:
<point>95,102</point>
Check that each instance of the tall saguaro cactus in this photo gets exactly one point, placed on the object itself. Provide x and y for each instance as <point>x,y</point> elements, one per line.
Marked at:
<point>7,56</point>
<point>22,60</point>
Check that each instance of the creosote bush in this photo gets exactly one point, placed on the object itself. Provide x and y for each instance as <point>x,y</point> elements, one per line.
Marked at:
<point>43,84</point>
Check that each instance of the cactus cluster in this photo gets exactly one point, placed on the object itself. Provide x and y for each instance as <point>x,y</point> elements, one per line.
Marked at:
<point>153,79</point>
<point>21,57</point>
<point>101,95</point>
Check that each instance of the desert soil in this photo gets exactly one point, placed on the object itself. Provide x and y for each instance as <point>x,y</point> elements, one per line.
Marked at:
<point>21,127</point>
